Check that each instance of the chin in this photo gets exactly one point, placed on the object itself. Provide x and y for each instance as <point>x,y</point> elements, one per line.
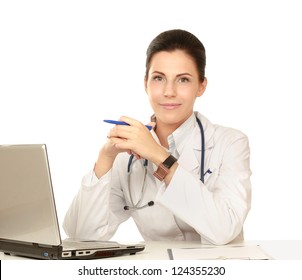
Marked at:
<point>173,116</point>
<point>173,120</point>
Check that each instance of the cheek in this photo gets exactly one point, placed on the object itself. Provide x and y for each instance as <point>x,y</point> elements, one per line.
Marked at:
<point>154,91</point>
<point>187,93</point>
<point>153,99</point>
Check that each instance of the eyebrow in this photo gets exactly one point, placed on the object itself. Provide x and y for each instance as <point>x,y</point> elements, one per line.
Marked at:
<point>178,75</point>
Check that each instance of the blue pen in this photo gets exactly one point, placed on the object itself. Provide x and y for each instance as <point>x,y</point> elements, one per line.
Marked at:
<point>123,123</point>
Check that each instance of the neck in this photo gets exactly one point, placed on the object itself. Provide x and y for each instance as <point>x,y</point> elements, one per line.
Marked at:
<point>162,136</point>
<point>163,131</point>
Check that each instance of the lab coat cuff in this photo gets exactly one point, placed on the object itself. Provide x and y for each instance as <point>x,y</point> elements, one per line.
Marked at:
<point>161,190</point>
<point>163,187</point>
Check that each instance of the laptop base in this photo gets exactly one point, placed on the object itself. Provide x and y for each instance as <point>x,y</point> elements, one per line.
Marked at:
<point>44,252</point>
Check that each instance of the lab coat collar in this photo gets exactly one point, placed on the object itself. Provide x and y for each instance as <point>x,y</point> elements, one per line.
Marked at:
<point>181,135</point>
<point>208,129</point>
<point>188,158</point>
<point>192,124</point>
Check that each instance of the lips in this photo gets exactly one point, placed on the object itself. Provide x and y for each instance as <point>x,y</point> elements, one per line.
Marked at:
<point>170,106</point>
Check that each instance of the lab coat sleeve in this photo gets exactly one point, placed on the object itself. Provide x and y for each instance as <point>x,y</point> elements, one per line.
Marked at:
<point>96,211</point>
<point>217,212</point>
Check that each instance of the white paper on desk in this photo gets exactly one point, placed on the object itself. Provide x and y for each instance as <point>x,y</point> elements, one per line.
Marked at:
<point>254,252</point>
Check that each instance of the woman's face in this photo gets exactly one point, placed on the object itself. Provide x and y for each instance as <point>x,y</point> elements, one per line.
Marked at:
<point>172,86</point>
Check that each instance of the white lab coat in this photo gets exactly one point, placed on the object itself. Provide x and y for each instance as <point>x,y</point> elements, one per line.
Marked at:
<point>187,209</point>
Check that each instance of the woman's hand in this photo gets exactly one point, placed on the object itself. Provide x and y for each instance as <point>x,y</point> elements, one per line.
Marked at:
<point>137,139</point>
<point>107,155</point>
<point>124,138</point>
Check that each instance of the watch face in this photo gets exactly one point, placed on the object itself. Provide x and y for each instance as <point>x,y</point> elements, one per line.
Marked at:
<point>170,160</point>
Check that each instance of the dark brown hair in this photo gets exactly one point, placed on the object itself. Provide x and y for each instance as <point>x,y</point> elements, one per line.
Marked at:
<point>178,39</point>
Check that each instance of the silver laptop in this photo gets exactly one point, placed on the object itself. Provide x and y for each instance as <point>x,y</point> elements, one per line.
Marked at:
<point>28,218</point>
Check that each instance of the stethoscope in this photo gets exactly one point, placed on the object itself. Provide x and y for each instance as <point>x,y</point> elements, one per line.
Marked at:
<point>138,206</point>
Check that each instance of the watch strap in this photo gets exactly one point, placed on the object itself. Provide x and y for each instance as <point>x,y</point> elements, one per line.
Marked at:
<point>163,168</point>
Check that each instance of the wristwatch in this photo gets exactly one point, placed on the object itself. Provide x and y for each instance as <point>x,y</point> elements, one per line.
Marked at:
<point>163,168</point>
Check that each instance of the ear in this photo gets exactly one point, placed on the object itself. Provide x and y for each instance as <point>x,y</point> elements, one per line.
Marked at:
<point>145,84</point>
<point>202,87</point>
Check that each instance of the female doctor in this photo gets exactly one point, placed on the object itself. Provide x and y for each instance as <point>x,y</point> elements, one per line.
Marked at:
<point>186,179</point>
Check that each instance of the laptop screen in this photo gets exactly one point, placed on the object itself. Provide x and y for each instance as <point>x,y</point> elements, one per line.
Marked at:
<point>27,207</point>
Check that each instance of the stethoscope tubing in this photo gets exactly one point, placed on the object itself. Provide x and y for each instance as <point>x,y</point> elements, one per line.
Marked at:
<point>202,150</point>
<point>151,203</point>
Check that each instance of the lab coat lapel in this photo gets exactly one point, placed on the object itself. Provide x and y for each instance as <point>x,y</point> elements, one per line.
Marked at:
<point>191,154</point>
<point>187,158</point>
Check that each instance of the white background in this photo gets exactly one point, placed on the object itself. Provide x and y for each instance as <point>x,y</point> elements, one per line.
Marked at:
<point>67,65</point>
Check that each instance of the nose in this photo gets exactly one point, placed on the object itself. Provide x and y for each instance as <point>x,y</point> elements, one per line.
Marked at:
<point>170,90</point>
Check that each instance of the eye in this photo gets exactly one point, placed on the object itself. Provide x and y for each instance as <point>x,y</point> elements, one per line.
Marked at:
<point>183,80</point>
<point>157,78</point>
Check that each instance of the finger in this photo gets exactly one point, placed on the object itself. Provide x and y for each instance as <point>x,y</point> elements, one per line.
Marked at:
<point>121,131</point>
<point>153,124</point>
<point>129,152</point>
<point>130,121</point>
<point>136,155</point>
<point>133,122</point>
<point>115,141</point>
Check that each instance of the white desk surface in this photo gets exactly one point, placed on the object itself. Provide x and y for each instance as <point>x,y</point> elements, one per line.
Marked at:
<point>156,250</point>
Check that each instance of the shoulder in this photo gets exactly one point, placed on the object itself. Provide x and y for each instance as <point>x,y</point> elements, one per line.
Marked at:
<point>228,133</point>
<point>216,133</point>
